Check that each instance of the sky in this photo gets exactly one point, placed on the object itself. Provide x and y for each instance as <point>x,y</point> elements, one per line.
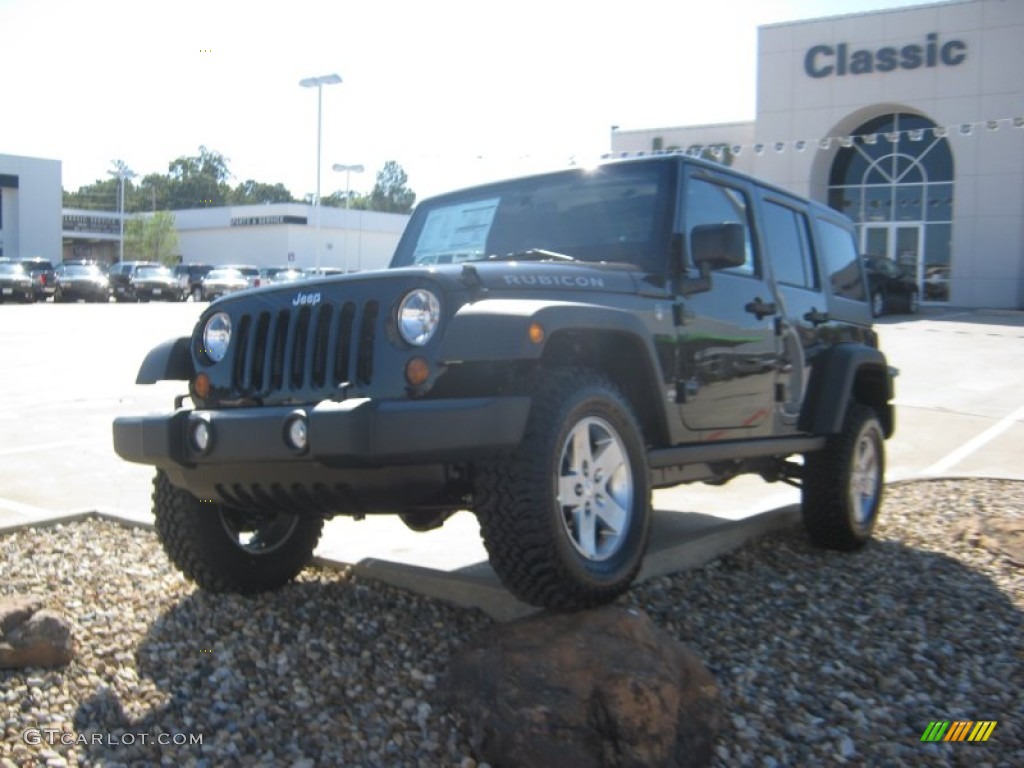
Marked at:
<point>456,91</point>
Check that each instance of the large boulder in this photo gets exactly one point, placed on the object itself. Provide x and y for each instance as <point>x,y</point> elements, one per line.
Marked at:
<point>604,687</point>
<point>32,635</point>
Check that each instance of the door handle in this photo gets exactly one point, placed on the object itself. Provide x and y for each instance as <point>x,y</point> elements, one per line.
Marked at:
<point>760,309</point>
<point>814,317</point>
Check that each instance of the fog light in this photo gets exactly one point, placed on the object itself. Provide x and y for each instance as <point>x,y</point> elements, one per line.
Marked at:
<point>296,433</point>
<point>417,371</point>
<point>202,437</point>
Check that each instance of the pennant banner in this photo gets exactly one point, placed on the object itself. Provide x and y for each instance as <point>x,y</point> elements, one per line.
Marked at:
<point>718,150</point>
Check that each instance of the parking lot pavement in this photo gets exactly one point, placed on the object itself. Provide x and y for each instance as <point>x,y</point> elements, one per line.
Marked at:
<point>70,369</point>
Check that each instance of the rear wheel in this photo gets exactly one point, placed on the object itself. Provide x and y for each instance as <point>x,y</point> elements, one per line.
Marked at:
<point>842,487</point>
<point>223,549</point>
<point>566,518</point>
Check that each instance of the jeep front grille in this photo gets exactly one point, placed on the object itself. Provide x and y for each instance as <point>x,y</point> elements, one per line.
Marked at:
<point>309,348</point>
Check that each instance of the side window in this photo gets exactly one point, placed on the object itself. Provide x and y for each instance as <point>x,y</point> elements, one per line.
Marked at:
<point>839,260</point>
<point>789,247</point>
<point>708,203</point>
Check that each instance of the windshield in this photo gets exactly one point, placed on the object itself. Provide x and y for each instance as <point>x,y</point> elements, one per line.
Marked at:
<point>11,269</point>
<point>83,270</point>
<point>616,213</point>
<point>153,272</point>
<point>224,274</point>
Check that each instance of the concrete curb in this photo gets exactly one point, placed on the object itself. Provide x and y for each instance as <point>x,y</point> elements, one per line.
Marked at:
<point>679,541</point>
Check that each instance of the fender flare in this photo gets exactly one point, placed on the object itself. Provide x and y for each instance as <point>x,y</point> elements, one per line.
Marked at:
<point>170,361</point>
<point>497,330</point>
<point>843,373</point>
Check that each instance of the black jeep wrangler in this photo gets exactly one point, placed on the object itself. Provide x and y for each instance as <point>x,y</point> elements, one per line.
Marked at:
<point>545,352</point>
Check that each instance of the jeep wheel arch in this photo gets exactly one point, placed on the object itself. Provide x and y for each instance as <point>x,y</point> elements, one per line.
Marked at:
<point>602,338</point>
<point>842,374</point>
<point>170,361</point>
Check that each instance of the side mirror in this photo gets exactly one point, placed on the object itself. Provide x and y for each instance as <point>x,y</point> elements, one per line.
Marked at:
<point>717,246</point>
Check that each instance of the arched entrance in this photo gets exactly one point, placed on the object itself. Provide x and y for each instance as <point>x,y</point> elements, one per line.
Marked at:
<point>894,178</point>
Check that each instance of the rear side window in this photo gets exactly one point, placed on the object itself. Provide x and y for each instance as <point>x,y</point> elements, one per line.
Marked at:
<point>839,260</point>
<point>789,246</point>
<point>708,203</point>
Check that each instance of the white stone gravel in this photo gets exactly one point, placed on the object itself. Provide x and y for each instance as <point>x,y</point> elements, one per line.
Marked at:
<point>823,658</point>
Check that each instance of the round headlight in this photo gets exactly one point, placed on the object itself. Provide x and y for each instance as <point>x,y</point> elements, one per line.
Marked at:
<point>418,316</point>
<point>217,336</point>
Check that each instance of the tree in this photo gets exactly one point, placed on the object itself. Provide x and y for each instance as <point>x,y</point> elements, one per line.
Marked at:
<point>152,238</point>
<point>101,195</point>
<point>390,193</point>
<point>252,192</point>
<point>198,181</point>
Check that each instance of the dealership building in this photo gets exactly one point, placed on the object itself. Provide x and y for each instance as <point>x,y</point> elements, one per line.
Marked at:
<point>272,235</point>
<point>910,121</point>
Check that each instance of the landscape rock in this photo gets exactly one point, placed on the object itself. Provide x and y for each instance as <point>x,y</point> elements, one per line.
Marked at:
<point>604,687</point>
<point>33,636</point>
<point>1003,535</point>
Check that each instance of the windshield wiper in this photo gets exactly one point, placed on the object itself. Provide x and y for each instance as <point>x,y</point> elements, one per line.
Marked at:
<point>531,254</point>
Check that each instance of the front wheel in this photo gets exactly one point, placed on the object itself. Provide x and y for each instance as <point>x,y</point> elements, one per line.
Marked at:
<point>223,549</point>
<point>842,487</point>
<point>566,518</point>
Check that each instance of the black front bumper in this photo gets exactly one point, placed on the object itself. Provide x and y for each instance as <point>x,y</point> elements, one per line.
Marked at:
<point>352,433</point>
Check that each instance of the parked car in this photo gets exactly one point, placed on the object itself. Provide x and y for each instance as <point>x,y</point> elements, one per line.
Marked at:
<point>16,283</point>
<point>190,279</point>
<point>251,274</point>
<point>155,282</point>
<point>222,281</point>
<point>288,276</point>
<point>121,275</point>
<point>892,287</point>
<point>41,271</point>
<point>312,272</point>
<point>81,281</point>
<point>545,352</point>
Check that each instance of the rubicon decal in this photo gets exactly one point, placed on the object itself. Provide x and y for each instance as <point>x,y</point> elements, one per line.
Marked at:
<point>555,281</point>
<point>306,299</point>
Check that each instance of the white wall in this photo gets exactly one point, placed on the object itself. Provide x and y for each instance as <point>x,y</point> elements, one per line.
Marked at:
<point>32,212</point>
<point>355,240</point>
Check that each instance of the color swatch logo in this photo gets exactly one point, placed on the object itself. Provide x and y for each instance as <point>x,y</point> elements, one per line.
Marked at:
<point>959,730</point>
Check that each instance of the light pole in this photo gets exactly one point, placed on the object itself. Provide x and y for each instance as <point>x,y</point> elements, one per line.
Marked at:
<point>349,170</point>
<point>318,83</point>
<point>121,172</point>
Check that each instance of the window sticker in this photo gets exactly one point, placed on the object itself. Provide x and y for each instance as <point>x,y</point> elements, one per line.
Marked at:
<point>456,232</point>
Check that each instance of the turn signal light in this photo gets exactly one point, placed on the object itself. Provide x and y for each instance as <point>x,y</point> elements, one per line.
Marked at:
<point>201,385</point>
<point>417,371</point>
<point>536,333</point>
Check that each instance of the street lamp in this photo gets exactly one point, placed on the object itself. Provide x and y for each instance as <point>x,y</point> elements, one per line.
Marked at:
<point>121,172</point>
<point>318,83</point>
<point>349,170</point>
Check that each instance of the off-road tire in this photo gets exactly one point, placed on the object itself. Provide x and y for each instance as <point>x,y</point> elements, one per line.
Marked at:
<point>533,540</point>
<point>196,537</point>
<point>842,485</point>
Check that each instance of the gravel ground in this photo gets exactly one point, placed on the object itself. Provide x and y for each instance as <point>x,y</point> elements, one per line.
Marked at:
<point>823,658</point>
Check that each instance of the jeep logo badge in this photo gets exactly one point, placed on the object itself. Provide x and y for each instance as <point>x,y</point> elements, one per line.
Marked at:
<point>306,299</point>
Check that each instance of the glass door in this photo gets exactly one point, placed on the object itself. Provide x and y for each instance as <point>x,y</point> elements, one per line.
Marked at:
<point>900,243</point>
